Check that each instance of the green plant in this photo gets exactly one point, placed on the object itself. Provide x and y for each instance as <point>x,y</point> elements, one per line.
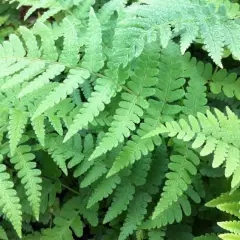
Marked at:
<point>111,128</point>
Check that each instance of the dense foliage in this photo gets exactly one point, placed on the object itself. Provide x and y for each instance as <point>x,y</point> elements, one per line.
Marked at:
<point>119,119</point>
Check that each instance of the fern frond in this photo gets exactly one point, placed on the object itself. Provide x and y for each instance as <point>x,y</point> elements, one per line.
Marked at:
<point>229,236</point>
<point>140,170</point>
<point>60,152</point>
<point>108,9</point>
<point>224,199</point>
<point>207,237</point>
<point>105,88</point>
<point>31,42</point>
<point>39,128</point>
<point>74,79</point>
<point>96,171</point>
<point>17,123</point>
<point>90,214</point>
<point>70,53</point>
<point>135,148</point>
<point>52,7</point>
<point>156,235</point>
<point>66,223</point>
<point>169,216</point>
<point>146,22</point>
<point>122,197</point>
<point>168,91</point>
<point>228,83</point>
<point>231,226</point>
<point>104,188</point>
<point>158,169</point>
<point>169,88</point>
<point>48,46</point>
<point>133,103</point>
<point>3,234</point>
<point>9,202</point>
<point>82,164</point>
<point>195,98</point>
<point>182,168</point>
<point>29,175</point>
<point>83,8</point>
<point>216,134</point>
<point>136,212</point>
<point>232,8</point>
<point>232,208</point>
<point>93,58</point>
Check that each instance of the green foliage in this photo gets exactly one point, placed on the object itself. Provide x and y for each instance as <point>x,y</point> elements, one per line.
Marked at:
<point>214,134</point>
<point>229,203</point>
<point>109,129</point>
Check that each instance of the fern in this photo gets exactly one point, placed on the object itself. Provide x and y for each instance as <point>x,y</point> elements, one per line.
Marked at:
<point>29,175</point>
<point>109,130</point>
<point>133,103</point>
<point>3,235</point>
<point>105,88</point>
<point>66,221</point>
<point>154,235</point>
<point>18,120</point>
<point>71,83</point>
<point>109,8</point>
<point>228,203</point>
<point>123,195</point>
<point>9,202</point>
<point>207,237</point>
<point>146,22</point>
<point>136,212</point>
<point>93,58</point>
<point>210,131</point>
<point>182,167</point>
<point>228,83</point>
<point>167,87</point>
<point>103,189</point>
<point>169,216</point>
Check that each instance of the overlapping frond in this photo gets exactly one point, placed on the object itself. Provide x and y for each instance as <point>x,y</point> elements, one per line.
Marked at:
<point>105,89</point>
<point>133,103</point>
<point>147,22</point>
<point>216,134</point>
<point>67,224</point>
<point>229,203</point>
<point>168,91</point>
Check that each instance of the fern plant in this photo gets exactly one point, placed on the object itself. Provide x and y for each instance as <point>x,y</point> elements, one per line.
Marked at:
<point>119,119</point>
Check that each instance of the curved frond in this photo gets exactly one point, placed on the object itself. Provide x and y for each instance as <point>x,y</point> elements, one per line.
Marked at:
<point>105,88</point>
<point>133,103</point>
<point>143,23</point>
<point>218,134</point>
